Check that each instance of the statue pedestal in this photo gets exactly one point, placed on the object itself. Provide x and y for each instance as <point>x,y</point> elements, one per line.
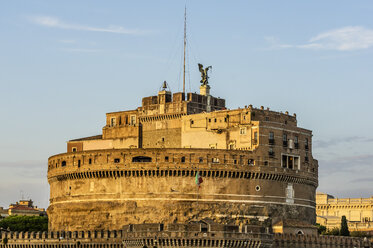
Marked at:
<point>204,90</point>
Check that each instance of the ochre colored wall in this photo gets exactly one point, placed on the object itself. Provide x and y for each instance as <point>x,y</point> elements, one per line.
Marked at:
<point>113,191</point>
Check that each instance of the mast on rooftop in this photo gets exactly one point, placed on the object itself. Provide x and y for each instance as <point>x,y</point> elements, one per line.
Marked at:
<point>184,50</point>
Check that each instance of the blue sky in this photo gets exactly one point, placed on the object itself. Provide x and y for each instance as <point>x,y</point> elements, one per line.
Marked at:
<point>64,64</point>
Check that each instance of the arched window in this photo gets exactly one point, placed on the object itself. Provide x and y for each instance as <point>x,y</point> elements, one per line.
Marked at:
<point>141,159</point>
<point>63,163</point>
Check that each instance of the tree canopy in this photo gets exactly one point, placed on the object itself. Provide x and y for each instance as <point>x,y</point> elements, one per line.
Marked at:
<point>344,227</point>
<point>25,223</point>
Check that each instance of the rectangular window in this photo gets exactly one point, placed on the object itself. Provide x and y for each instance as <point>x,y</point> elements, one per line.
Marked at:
<point>90,161</point>
<point>296,142</point>
<point>285,140</point>
<point>215,160</point>
<point>213,146</point>
<point>133,120</point>
<point>290,162</point>
<point>271,153</point>
<point>116,160</point>
<point>166,159</point>
<point>182,159</point>
<point>243,130</point>
<point>200,160</point>
<point>112,121</point>
<point>306,144</point>
<point>255,141</point>
<point>271,138</point>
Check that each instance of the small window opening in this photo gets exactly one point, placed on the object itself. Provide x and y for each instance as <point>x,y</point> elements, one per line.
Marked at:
<point>63,163</point>
<point>243,130</point>
<point>166,159</point>
<point>285,140</point>
<point>215,120</point>
<point>266,163</point>
<point>74,149</point>
<point>250,162</point>
<point>90,161</point>
<point>191,122</point>
<point>141,159</point>
<point>112,121</point>
<point>182,159</point>
<point>209,120</point>
<point>200,160</point>
<point>116,160</point>
<point>255,141</point>
<point>296,142</point>
<point>257,188</point>
<point>79,163</point>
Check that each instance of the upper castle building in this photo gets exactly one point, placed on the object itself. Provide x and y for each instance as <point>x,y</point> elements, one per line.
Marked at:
<point>256,164</point>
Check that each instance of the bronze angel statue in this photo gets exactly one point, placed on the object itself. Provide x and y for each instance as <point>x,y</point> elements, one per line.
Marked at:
<point>205,77</point>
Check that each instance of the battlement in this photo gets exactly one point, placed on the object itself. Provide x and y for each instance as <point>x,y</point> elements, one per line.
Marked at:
<point>190,235</point>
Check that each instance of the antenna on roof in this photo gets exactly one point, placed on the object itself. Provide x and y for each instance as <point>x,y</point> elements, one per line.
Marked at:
<point>184,50</point>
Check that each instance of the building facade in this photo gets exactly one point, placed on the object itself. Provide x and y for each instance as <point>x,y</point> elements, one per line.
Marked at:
<point>256,164</point>
<point>358,212</point>
<point>25,208</point>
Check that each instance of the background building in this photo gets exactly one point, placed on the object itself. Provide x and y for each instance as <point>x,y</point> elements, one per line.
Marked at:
<point>25,207</point>
<point>358,211</point>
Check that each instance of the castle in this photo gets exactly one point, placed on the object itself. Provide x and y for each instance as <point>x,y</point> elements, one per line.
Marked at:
<point>254,164</point>
<point>180,172</point>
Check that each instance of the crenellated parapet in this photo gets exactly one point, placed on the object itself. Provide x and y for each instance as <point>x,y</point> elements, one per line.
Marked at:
<point>177,235</point>
<point>315,241</point>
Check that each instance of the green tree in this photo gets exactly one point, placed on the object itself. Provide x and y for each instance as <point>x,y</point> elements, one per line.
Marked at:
<point>344,227</point>
<point>334,231</point>
<point>25,223</point>
<point>320,228</point>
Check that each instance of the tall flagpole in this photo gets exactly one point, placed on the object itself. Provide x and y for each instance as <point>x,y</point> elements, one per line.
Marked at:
<point>184,50</point>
